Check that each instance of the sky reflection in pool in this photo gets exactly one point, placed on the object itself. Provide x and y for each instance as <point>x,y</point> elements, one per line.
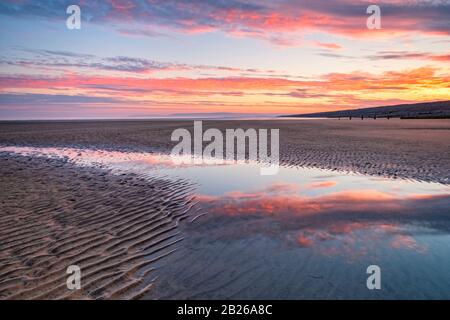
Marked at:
<point>300,225</point>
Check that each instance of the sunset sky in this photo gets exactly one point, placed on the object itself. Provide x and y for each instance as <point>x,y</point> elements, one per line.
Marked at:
<point>149,58</point>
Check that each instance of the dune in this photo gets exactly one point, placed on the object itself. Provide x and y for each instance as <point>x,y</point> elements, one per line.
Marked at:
<point>423,110</point>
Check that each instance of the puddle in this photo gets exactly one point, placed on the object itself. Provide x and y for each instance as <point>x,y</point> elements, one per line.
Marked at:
<point>302,233</point>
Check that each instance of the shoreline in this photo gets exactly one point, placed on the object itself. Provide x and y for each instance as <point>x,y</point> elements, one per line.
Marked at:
<point>128,232</point>
<point>405,149</point>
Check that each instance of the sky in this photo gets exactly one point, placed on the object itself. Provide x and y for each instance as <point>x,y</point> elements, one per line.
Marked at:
<point>151,58</point>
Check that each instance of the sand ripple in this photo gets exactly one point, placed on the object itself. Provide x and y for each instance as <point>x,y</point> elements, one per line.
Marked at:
<point>115,228</point>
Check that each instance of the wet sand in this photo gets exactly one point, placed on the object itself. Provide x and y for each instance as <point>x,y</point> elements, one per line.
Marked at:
<point>114,227</point>
<point>121,229</point>
<point>411,149</point>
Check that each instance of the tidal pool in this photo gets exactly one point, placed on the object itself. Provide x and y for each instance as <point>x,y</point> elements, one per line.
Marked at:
<point>302,233</point>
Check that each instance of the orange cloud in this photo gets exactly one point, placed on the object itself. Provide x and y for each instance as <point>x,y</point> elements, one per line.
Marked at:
<point>324,184</point>
<point>304,241</point>
<point>333,46</point>
<point>247,94</point>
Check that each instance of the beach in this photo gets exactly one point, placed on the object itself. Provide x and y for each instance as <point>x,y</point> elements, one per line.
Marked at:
<point>54,214</point>
<point>412,149</point>
<point>224,150</point>
<point>102,195</point>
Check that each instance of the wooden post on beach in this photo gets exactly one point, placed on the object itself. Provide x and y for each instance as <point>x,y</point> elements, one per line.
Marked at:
<point>375,117</point>
<point>350,118</point>
<point>362,117</point>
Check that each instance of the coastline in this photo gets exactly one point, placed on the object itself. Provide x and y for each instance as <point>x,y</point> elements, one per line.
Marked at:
<point>388,148</point>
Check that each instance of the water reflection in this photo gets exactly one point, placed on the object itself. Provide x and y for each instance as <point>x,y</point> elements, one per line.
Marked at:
<point>321,205</point>
<point>280,236</point>
<point>288,211</point>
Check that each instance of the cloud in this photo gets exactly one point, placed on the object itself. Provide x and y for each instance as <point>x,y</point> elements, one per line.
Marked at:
<point>304,241</point>
<point>45,99</point>
<point>281,22</point>
<point>243,94</point>
<point>331,46</point>
<point>140,32</point>
<point>413,55</point>
<point>323,184</point>
<point>391,80</point>
<point>64,60</point>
